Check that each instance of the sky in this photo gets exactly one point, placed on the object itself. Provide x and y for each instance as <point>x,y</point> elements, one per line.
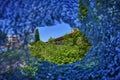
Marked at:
<point>54,31</point>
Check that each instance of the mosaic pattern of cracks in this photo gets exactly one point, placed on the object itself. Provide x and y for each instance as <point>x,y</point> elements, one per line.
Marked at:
<point>99,20</point>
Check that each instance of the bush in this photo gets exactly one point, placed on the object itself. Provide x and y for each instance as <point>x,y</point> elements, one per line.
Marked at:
<point>71,51</point>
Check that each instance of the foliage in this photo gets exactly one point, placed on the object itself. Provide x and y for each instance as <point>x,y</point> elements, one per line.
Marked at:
<point>105,37</point>
<point>2,35</point>
<point>51,40</point>
<point>11,59</point>
<point>73,49</point>
<point>29,70</point>
<point>83,10</point>
<point>37,35</point>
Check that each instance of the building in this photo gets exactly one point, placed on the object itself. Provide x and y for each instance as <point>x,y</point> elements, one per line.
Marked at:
<point>62,37</point>
<point>60,40</point>
<point>13,41</point>
<point>12,38</point>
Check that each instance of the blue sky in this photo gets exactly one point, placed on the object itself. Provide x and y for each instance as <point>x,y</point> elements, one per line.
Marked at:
<point>54,31</point>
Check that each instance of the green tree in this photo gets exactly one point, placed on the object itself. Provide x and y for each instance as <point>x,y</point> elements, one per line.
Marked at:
<point>75,29</point>
<point>83,10</point>
<point>37,35</point>
<point>51,40</point>
<point>2,35</point>
<point>66,37</point>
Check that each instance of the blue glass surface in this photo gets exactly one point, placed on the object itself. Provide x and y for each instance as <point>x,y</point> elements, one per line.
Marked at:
<point>101,26</point>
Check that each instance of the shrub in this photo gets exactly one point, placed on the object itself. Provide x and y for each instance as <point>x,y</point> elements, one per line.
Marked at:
<point>73,49</point>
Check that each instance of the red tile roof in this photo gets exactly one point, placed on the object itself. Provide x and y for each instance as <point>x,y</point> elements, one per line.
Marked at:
<point>62,37</point>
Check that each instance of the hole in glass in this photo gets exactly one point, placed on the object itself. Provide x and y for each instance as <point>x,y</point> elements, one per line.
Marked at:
<point>59,44</point>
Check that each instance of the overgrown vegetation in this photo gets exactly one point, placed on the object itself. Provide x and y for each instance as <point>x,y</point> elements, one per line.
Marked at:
<point>68,50</point>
